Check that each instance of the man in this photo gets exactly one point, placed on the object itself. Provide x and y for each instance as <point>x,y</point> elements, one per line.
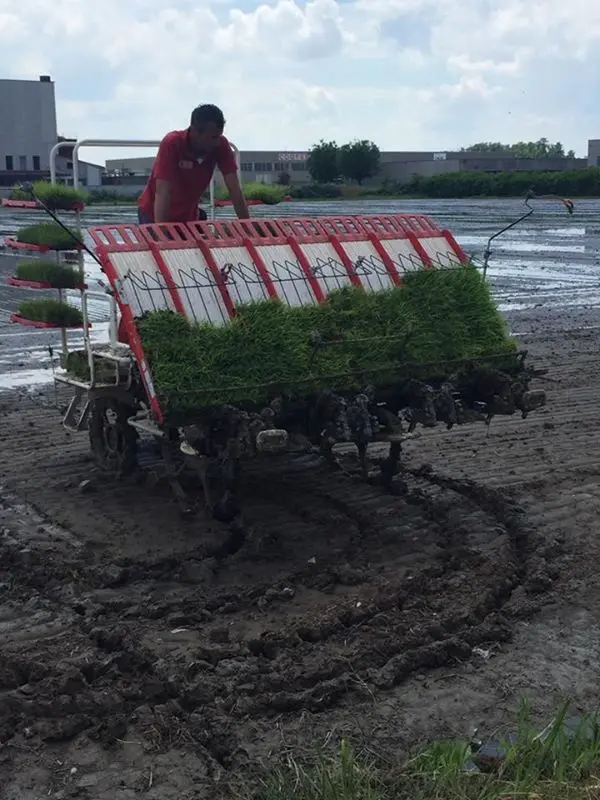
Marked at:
<point>184,167</point>
<point>182,172</point>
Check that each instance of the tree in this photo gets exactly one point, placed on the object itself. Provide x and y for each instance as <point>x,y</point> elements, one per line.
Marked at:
<point>284,179</point>
<point>359,160</point>
<point>540,149</point>
<point>323,162</point>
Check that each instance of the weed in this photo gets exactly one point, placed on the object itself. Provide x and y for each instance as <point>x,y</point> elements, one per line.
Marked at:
<point>560,763</point>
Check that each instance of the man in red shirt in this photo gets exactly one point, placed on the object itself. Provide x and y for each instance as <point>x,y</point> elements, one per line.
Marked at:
<point>184,167</point>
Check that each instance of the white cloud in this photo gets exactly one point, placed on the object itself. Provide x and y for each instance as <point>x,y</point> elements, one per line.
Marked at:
<point>410,74</point>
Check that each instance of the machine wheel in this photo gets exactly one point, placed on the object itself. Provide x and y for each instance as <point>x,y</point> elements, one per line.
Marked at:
<point>221,484</point>
<point>113,441</point>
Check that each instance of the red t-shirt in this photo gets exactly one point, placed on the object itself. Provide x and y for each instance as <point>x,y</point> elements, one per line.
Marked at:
<point>188,175</point>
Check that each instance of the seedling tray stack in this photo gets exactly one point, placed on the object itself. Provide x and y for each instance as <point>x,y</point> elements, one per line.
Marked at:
<point>46,272</point>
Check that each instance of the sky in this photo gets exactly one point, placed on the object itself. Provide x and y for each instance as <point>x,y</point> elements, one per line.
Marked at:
<point>407,74</point>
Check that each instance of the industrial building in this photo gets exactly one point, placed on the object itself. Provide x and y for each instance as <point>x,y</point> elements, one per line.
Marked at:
<point>267,166</point>
<point>28,131</point>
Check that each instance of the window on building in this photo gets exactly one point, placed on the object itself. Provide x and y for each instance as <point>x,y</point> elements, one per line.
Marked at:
<point>246,167</point>
<point>266,167</point>
<point>9,163</point>
<point>298,166</point>
<point>22,163</point>
<point>69,165</point>
<point>36,163</point>
<point>280,166</point>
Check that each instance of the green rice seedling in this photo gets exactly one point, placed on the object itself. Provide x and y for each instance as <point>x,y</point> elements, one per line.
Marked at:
<point>48,234</point>
<point>53,311</point>
<point>40,270</point>
<point>355,338</point>
<point>58,197</point>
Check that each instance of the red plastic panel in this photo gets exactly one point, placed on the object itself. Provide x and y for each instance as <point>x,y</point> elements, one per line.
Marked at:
<point>346,229</point>
<point>19,203</point>
<point>305,230</point>
<point>11,242</point>
<point>420,224</point>
<point>119,238</point>
<point>216,234</point>
<point>184,255</point>
<point>114,276</point>
<point>137,277</point>
<point>260,231</point>
<point>383,226</point>
<point>12,281</point>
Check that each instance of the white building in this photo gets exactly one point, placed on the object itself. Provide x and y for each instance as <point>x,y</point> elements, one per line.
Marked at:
<point>27,125</point>
<point>28,131</point>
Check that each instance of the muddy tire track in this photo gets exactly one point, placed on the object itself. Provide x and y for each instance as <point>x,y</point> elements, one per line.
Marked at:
<point>338,590</point>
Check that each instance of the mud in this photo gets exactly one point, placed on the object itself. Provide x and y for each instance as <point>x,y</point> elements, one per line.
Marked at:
<point>143,655</point>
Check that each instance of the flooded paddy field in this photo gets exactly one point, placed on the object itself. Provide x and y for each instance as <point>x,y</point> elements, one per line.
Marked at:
<point>137,659</point>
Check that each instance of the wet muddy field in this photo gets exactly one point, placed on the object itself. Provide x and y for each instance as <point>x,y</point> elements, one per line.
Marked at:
<point>142,655</point>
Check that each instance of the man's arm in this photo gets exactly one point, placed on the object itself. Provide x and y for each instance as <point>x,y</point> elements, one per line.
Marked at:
<point>227,164</point>
<point>236,195</point>
<point>165,173</point>
<point>162,200</point>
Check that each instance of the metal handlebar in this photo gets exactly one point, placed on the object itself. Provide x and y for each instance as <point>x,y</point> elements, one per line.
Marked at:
<point>77,144</point>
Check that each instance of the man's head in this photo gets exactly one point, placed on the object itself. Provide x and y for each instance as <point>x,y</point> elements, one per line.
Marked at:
<point>206,126</point>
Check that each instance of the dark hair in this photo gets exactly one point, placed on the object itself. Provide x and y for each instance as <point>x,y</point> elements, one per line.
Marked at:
<point>204,115</point>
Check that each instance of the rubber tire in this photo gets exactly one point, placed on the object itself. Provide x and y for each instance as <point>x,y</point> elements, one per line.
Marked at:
<point>128,436</point>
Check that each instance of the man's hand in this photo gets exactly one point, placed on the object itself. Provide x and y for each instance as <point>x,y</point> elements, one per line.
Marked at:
<point>232,182</point>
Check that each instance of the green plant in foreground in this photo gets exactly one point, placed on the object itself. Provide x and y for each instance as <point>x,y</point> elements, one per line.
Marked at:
<point>48,234</point>
<point>556,764</point>
<point>58,197</point>
<point>419,330</point>
<point>54,311</point>
<point>60,276</point>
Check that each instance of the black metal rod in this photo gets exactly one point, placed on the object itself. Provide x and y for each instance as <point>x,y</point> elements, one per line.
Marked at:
<point>530,196</point>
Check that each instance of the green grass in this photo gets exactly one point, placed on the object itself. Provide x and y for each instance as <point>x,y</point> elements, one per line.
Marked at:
<point>271,194</point>
<point>551,765</point>
<point>355,338</point>
<point>60,314</point>
<point>48,234</point>
<point>60,276</point>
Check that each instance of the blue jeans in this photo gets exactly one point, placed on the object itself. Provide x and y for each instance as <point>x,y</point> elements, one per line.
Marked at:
<point>144,219</point>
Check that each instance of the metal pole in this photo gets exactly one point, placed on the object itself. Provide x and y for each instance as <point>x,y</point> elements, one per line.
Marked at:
<point>106,143</point>
<point>54,152</point>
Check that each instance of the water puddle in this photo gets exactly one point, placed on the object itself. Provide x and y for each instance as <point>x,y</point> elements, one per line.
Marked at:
<point>25,379</point>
